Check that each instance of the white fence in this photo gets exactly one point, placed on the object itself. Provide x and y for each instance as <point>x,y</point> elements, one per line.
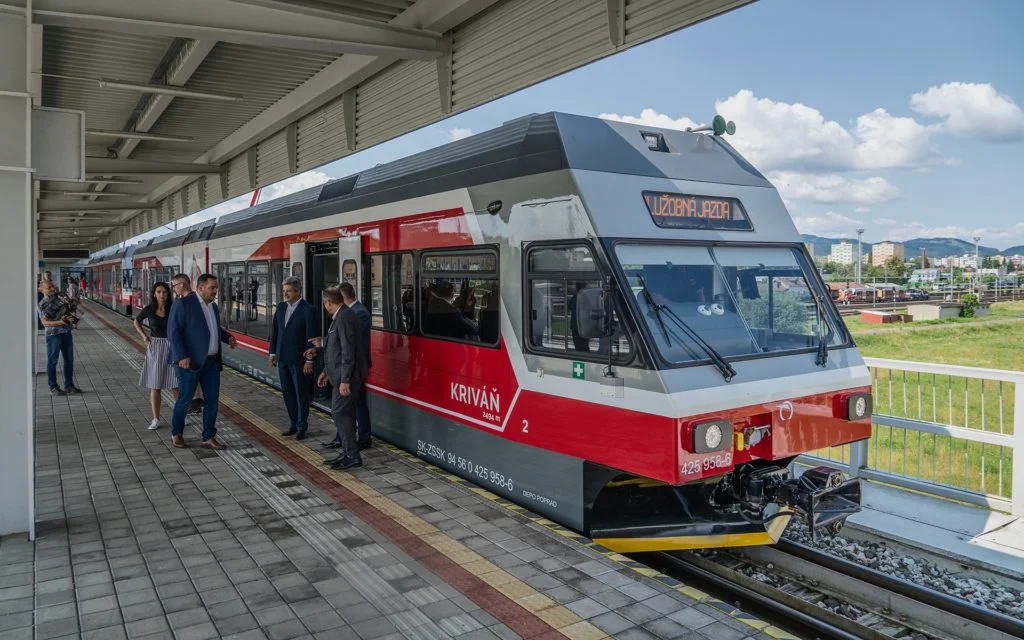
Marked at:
<point>952,431</point>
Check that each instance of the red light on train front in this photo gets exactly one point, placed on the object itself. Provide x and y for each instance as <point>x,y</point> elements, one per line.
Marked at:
<point>854,406</point>
<point>713,435</point>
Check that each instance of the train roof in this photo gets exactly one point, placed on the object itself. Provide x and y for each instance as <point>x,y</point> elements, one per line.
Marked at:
<point>529,145</point>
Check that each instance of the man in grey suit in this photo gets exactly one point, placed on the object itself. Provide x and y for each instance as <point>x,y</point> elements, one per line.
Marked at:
<point>346,366</point>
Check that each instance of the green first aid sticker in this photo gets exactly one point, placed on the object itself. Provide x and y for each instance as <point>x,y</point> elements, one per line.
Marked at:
<point>578,370</point>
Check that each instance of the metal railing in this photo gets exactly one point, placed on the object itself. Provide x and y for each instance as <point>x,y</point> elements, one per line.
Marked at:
<point>951,431</point>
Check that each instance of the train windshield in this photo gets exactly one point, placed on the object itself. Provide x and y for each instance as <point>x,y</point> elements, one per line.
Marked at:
<point>741,301</point>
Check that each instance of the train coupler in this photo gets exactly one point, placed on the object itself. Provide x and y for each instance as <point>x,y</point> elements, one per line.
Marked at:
<point>822,495</point>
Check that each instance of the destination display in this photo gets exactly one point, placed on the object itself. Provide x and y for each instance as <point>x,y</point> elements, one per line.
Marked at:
<point>679,211</point>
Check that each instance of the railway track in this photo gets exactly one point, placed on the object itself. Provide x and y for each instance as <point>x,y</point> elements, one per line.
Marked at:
<point>830,597</point>
<point>853,309</point>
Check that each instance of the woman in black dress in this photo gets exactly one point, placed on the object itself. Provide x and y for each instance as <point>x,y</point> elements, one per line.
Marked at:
<point>157,374</point>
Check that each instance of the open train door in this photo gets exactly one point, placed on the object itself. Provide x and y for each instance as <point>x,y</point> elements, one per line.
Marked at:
<point>297,267</point>
<point>350,257</point>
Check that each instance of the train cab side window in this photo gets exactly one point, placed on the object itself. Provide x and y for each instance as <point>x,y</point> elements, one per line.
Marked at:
<point>256,296</point>
<point>389,291</point>
<point>555,275</point>
<point>460,297</point>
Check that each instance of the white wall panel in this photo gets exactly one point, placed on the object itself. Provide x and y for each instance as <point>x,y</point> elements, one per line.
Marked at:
<point>272,159</point>
<point>403,97</point>
<point>321,136</point>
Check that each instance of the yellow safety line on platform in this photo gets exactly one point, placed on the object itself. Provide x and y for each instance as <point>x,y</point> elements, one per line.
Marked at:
<point>562,619</point>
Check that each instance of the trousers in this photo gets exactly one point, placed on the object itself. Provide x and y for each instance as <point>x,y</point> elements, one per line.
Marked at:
<point>343,412</point>
<point>296,389</point>
<point>208,378</point>
<point>62,344</point>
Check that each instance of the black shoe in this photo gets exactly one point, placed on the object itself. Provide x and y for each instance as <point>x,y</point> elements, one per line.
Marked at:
<point>290,432</point>
<point>69,389</point>
<point>57,391</point>
<point>363,446</point>
<point>333,444</point>
<point>301,435</point>
<point>334,460</point>
<point>347,463</point>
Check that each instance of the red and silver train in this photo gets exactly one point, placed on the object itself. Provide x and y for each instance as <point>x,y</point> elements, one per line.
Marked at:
<point>615,326</point>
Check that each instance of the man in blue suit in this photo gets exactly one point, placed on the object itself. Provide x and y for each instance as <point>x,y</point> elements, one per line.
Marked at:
<point>194,334</point>
<point>294,326</point>
<point>365,322</point>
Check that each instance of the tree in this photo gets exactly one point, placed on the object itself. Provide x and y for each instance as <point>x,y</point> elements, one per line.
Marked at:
<point>896,268</point>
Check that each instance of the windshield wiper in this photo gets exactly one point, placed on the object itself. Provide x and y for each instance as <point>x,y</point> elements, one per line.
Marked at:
<point>821,359</point>
<point>728,373</point>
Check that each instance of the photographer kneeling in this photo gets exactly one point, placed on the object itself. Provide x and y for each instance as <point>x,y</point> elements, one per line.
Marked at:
<point>57,313</point>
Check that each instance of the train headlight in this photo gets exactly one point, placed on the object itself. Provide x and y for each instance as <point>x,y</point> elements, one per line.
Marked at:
<point>712,436</point>
<point>859,406</point>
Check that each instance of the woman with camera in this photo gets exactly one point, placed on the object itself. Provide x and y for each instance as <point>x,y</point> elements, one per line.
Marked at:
<point>156,373</point>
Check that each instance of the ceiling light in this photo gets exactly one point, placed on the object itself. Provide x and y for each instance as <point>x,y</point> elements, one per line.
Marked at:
<point>137,135</point>
<point>167,90</point>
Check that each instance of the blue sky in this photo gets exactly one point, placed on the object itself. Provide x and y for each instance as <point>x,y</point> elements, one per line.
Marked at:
<point>904,117</point>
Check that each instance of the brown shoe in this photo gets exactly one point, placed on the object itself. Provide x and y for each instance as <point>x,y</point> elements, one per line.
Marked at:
<point>179,442</point>
<point>213,444</point>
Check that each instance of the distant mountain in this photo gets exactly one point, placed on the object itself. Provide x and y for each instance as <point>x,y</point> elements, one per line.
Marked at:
<point>934,247</point>
<point>1014,251</point>
<point>944,247</point>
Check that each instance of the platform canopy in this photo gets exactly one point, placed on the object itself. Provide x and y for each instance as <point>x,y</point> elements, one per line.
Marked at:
<point>190,102</point>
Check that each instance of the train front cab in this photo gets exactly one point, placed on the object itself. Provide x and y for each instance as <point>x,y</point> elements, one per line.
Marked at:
<point>785,380</point>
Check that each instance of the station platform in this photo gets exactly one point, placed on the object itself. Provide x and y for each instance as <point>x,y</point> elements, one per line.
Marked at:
<point>963,533</point>
<point>137,539</point>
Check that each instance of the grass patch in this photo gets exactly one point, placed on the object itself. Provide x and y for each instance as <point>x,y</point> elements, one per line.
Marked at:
<point>1000,310</point>
<point>949,400</point>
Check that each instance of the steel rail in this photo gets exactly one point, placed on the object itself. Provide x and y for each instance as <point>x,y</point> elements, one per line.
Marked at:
<point>937,599</point>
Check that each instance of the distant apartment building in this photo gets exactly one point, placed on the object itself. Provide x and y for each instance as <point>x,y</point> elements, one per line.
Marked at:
<point>926,275</point>
<point>810,248</point>
<point>884,251</point>
<point>842,253</point>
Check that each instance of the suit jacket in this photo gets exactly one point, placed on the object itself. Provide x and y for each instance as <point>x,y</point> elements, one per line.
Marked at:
<point>345,358</point>
<point>187,332</point>
<point>365,323</point>
<point>289,342</point>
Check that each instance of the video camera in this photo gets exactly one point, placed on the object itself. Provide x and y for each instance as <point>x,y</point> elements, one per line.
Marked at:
<point>63,309</point>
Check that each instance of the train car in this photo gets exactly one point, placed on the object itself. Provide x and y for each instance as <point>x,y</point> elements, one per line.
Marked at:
<point>616,326</point>
<point>182,251</point>
<point>105,277</point>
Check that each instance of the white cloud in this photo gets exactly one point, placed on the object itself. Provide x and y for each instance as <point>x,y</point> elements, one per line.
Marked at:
<point>830,225</point>
<point>886,222</point>
<point>293,184</point>
<point>651,118</point>
<point>777,135</point>
<point>833,188</point>
<point>862,210</point>
<point>975,110</point>
<point>1002,236</point>
<point>458,133</point>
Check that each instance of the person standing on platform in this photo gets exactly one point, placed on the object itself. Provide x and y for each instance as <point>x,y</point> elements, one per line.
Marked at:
<point>294,326</point>
<point>57,317</point>
<point>73,292</point>
<point>348,294</point>
<point>156,374</point>
<point>345,369</point>
<point>182,289</point>
<point>195,335</point>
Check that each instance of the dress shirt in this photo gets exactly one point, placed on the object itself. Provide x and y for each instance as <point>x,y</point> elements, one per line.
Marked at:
<point>290,310</point>
<point>211,324</point>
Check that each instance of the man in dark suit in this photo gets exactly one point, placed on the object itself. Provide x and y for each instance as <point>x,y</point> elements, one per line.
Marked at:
<point>294,326</point>
<point>348,295</point>
<point>345,369</point>
<point>194,335</point>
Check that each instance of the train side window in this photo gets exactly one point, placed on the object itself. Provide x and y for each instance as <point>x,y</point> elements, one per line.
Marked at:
<point>389,291</point>
<point>555,275</point>
<point>277,270</point>
<point>257,311</point>
<point>460,298</point>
